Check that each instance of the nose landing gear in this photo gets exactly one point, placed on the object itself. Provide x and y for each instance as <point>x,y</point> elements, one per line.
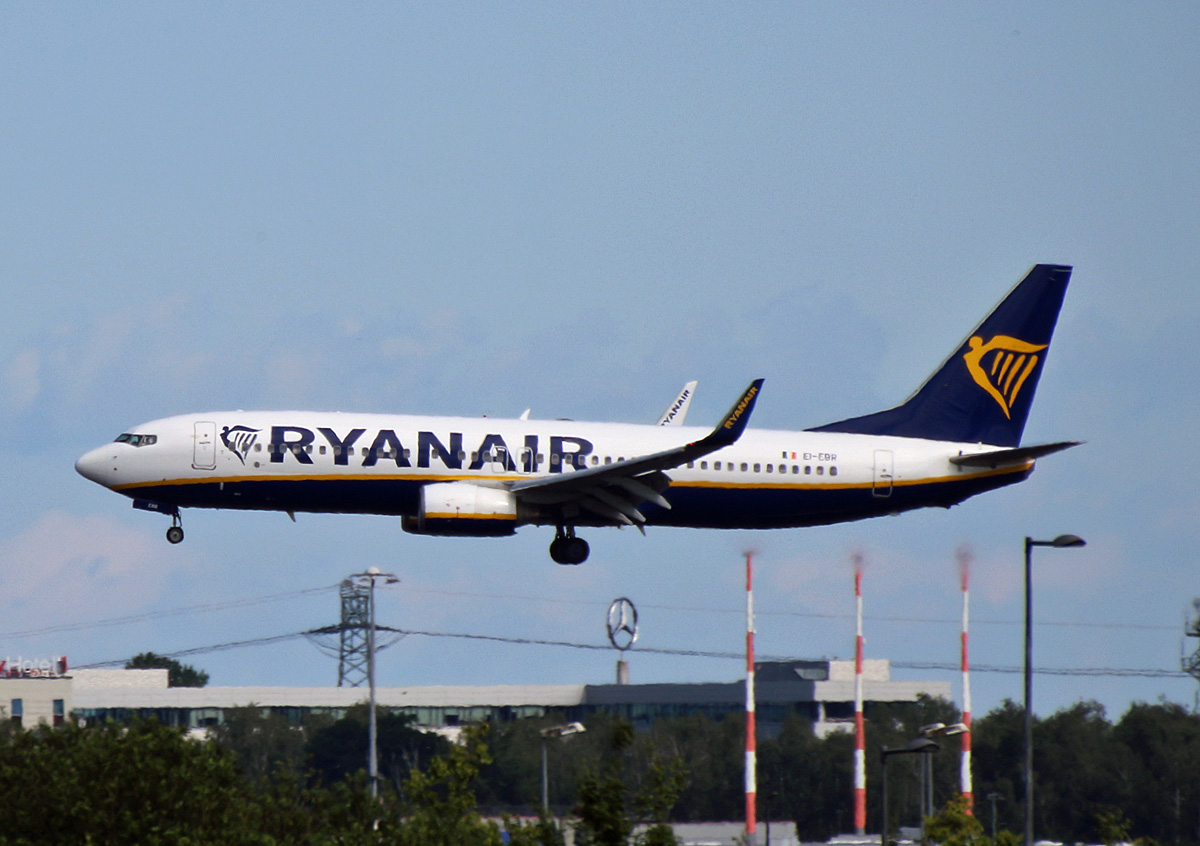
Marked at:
<point>175,533</point>
<point>566,548</point>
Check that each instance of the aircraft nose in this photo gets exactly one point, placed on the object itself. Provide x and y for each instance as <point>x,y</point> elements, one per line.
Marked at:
<point>96,465</point>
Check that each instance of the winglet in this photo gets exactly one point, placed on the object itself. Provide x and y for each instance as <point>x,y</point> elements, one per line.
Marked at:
<point>734,423</point>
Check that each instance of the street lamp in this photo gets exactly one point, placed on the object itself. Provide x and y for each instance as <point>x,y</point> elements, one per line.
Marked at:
<point>369,577</point>
<point>564,730</point>
<point>933,730</point>
<point>918,745</point>
<point>1061,542</point>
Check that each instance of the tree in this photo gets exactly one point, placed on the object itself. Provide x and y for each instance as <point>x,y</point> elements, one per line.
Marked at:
<point>264,742</point>
<point>442,799</point>
<point>954,826</point>
<point>1161,771</point>
<point>144,783</point>
<point>178,675</point>
<point>339,750</point>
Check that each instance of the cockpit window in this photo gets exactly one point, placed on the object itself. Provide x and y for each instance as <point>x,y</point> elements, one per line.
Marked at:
<point>137,440</point>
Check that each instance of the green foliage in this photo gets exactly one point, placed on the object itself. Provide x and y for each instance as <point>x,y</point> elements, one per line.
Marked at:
<point>178,675</point>
<point>263,742</point>
<point>442,799</point>
<point>624,791</point>
<point>144,783</point>
<point>543,832</point>
<point>338,750</point>
<point>1004,837</point>
<point>110,784</point>
<point>1112,826</point>
<point>955,827</point>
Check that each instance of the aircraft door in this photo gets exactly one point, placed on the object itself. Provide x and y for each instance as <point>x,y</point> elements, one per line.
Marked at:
<point>499,460</point>
<point>204,455</point>
<point>882,486</point>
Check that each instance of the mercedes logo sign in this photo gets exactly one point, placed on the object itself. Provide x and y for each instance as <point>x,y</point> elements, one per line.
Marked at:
<point>622,624</point>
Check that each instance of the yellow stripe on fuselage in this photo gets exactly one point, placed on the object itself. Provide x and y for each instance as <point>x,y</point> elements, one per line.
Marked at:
<point>726,485</point>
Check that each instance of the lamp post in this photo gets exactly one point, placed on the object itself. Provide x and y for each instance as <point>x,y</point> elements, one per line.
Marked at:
<point>1061,542</point>
<point>919,745</point>
<point>934,730</point>
<point>565,730</point>
<point>369,577</point>
<point>993,797</point>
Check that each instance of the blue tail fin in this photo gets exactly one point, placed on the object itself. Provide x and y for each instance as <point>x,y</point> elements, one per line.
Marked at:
<point>983,392</point>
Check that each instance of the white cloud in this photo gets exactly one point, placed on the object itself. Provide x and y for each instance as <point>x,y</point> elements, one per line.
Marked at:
<point>22,378</point>
<point>64,567</point>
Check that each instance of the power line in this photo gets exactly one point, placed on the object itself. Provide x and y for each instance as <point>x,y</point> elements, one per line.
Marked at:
<point>689,653</point>
<point>820,615</point>
<point>172,612</point>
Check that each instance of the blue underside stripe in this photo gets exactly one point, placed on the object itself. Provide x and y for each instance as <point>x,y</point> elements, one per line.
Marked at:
<point>693,506</point>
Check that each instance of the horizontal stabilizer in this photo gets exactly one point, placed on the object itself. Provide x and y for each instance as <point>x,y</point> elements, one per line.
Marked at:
<point>997,457</point>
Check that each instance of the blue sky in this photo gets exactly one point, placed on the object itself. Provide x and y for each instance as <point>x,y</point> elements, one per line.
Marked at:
<point>578,208</point>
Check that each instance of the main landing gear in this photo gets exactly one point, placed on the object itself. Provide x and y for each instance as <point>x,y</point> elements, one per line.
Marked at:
<point>568,549</point>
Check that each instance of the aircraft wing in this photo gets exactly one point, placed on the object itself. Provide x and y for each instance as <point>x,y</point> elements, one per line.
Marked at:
<point>613,492</point>
<point>677,411</point>
<point>1014,455</point>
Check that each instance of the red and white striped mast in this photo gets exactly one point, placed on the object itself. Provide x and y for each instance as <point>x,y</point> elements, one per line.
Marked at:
<point>964,568</point>
<point>751,757</point>
<point>860,754</point>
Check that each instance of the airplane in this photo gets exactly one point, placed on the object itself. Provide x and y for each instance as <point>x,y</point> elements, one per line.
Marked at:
<point>959,435</point>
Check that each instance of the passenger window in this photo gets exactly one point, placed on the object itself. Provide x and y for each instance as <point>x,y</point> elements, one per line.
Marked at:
<point>769,468</point>
<point>807,469</point>
<point>691,465</point>
<point>608,459</point>
<point>757,468</point>
<point>745,467</point>
<point>595,460</point>
<point>322,450</point>
<point>820,470</point>
<point>716,465</point>
<point>258,447</point>
<point>703,465</point>
<point>832,471</point>
<point>795,469</point>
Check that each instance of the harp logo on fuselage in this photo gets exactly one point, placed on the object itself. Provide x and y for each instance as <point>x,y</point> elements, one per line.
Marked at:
<point>1002,366</point>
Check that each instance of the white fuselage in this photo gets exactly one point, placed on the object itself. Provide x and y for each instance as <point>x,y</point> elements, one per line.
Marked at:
<point>300,461</point>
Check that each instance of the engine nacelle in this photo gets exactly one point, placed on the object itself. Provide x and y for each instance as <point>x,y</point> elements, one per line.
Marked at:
<point>461,508</point>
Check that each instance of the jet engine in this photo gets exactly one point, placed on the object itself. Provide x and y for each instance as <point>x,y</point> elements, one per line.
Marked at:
<point>464,509</point>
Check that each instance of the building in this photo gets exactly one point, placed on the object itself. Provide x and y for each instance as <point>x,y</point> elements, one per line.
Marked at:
<point>35,692</point>
<point>820,691</point>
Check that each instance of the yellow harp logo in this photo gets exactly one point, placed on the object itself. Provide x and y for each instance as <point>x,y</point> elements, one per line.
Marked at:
<point>1001,367</point>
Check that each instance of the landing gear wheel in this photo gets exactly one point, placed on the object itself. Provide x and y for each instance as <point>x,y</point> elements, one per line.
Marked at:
<point>577,550</point>
<point>568,549</point>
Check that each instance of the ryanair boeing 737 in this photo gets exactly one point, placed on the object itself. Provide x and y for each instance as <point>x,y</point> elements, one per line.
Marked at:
<point>957,436</point>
